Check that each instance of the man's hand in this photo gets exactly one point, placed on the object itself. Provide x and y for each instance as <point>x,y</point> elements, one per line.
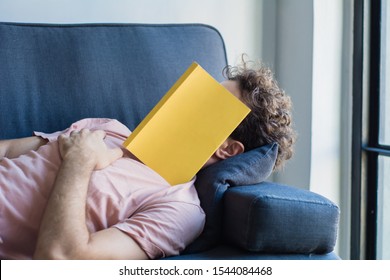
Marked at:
<point>63,232</point>
<point>88,148</point>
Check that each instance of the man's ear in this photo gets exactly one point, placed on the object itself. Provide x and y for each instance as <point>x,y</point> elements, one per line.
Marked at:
<point>229,148</point>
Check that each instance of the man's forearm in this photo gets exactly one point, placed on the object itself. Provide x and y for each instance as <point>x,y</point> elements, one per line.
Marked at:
<point>63,232</point>
<point>15,147</point>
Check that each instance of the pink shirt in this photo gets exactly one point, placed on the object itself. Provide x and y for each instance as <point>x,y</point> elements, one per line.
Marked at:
<point>127,195</point>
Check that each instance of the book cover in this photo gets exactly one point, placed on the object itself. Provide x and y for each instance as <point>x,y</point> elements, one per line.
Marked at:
<point>186,126</point>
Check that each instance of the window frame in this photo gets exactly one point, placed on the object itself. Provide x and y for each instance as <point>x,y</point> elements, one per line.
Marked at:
<point>365,128</point>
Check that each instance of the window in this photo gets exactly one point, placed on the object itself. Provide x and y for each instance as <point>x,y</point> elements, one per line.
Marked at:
<point>383,225</point>
<point>370,220</point>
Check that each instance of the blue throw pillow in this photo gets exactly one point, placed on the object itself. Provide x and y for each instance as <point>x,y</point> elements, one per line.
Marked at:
<point>248,168</point>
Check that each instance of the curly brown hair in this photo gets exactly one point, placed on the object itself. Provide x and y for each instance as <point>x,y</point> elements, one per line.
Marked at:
<point>270,119</point>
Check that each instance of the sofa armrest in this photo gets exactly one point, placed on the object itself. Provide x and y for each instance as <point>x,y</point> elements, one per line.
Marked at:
<point>274,218</point>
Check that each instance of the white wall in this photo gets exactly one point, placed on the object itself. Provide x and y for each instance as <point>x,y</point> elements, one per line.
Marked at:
<point>332,107</point>
<point>326,96</point>
<point>289,48</point>
<point>237,20</point>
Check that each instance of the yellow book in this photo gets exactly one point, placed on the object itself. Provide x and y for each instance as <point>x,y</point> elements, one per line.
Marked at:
<point>186,126</point>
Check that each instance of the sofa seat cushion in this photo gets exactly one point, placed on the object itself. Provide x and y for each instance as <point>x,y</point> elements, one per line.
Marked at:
<point>274,218</point>
<point>225,252</point>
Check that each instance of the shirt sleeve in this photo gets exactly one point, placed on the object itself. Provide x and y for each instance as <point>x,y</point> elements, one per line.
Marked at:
<point>165,229</point>
<point>90,123</point>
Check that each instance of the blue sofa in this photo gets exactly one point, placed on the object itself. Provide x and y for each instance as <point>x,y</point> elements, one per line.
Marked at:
<point>53,75</point>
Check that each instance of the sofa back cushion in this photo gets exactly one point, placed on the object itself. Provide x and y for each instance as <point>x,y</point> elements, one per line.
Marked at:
<point>53,75</point>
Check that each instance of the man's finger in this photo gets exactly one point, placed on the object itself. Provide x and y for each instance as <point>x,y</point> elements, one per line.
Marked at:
<point>110,156</point>
<point>100,133</point>
<point>115,154</point>
<point>73,132</point>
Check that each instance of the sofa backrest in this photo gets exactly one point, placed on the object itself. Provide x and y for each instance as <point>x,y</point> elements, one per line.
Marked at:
<point>52,75</point>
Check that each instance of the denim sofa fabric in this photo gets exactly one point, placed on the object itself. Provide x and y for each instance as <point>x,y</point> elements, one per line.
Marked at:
<point>54,74</point>
<point>227,252</point>
<point>281,219</point>
<point>212,182</point>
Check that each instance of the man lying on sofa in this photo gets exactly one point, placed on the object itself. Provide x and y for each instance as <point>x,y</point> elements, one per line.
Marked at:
<point>76,194</point>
